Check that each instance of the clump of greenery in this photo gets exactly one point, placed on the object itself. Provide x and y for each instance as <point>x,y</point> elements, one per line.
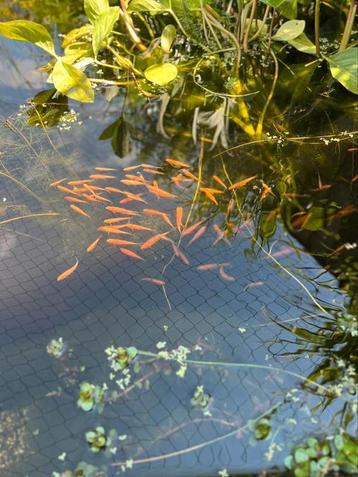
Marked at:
<point>201,400</point>
<point>91,396</point>
<point>261,429</point>
<point>316,458</point>
<point>56,348</point>
<point>162,49</point>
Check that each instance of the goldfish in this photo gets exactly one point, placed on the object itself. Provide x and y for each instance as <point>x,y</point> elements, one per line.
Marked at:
<point>74,199</point>
<point>219,181</point>
<point>80,182</point>
<point>136,227</point>
<point>120,210</point>
<point>164,216</point>
<point>155,281</point>
<point>93,245</point>
<point>180,254</point>
<point>242,183</point>
<point>160,192</point>
<point>105,169</point>
<point>112,230</point>
<point>67,272</point>
<point>130,253</point>
<point>67,190</point>
<point>198,234</point>
<point>115,220</point>
<point>120,242</point>
<point>152,241</point>
<point>179,218</point>
<point>79,210</point>
<point>191,229</point>
<point>225,276</point>
<point>55,184</point>
<point>177,164</point>
<point>102,176</point>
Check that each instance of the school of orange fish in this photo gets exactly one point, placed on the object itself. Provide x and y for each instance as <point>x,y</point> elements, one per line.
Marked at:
<point>119,228</point>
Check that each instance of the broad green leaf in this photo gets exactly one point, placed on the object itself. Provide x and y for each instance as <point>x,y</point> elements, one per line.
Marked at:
<point>161,74</point>
<point>24,30</point>
<point>72,82</point>
<point>304,44</point>
<point>75,51</point>
<point>119,134</point>
<point>103,27</point>
<point>343,66</point>
<point>151,6</point>
<point>289,30</point>
<point>273,3</point>
<point>76,34</point>
<point>287,8</point>
<point>94,7</point>
<point>168,37</point>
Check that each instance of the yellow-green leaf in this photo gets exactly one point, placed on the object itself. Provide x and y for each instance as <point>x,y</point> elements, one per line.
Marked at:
<point>304,44</point>
<point>344,68</point>
<point>289,30</point>
<point>151,6</point>
<point>168,36</point>
<point>93,8</point>
<point>24,30</point>
<point>103,27</point>
<point>161,74</point>
<point>72,82</point>
<point>76,34</point>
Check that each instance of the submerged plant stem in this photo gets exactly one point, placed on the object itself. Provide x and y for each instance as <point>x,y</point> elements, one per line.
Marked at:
<point>349,26</point>
<point>317,26</point>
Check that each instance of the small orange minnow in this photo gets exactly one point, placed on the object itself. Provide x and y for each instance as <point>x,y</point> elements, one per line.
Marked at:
<point>115,220</point>
<point>114,189</point>
<point>105,169</point>
<point>79,210</point>
<point>80,182</point>
<point>154,172</point>
<point>152,241</point>
<point>139,166</point>
<point>225,276</point>
<point>154,281</point>
<point>93,245</point>
<point>67,190</point>
<point>112,230</point>
<point>206,267</point>
<point>120,242</point>
<point>132,196</point>
<point>198,234</point>
<point>67,272</point>
<point>177,164</point>
<point>131,182</point>
<point>164,216</point>
<point>160,192</point>
<point>120,210</point>
<point>219,181</point>
<point>190,175</point>
<point>74,199</point>
<point>191,229</point>
<point>242,183</point>
<point>179,218</point>
<point>136,227</point>
<point>102,176</point>
<point>55,184</point>
<point>209,195</point>
<point>130,253</point>
<point>180,254</point>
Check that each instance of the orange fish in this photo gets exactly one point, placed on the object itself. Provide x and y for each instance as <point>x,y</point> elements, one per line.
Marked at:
<point>102,176</point>
<point>209,195</point>
<point>115,220</point>
<point>131,182</point>
<point>120,242</point>
<point>74,199</point>
<point>152,241</point>
<point>153,172</point>
<point>180,254</point>
<point>67,190</point>
<point>55,184</point>
<point>160,192</point>
<point>131,196</point>
<point>225,276</point>
<point>136,227</point>
<point>130,253</point>
<point>164,216</point>
<point>79,210</point>
<point>198,234</point>
<point>242,183</point>
<point>210,266</point>
<point>179,218</point>
<point>120,210</point>
<point>114,189</point>
<point>105,169</point>
<point>84,181</point>
<point>93,245</point>
<point>112,230</point>
<point>177,164</point>
<point>219,181</point>
<point>155,281</point>
<point>140,166</point>
<point>191,229</point>
<point>190,175</point>
<point>67,272</point>
<point>266,190</point>
<point>220,235</point>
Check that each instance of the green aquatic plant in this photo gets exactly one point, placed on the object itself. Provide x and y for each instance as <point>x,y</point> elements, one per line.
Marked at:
<point>92,396</point>
<point>201,400</point>
<point>56,347</point>
<point>318,457</point>
<point>97,439</point>
<point>120,358</point>
<point>261,429</point>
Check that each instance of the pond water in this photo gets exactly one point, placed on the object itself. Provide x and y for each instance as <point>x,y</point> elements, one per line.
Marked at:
<point>261,299</point>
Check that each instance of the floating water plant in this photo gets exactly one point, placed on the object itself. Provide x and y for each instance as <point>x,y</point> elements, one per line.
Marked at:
<point>56,347</point>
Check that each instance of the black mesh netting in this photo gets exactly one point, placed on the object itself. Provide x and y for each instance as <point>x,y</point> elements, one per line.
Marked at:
<point>106,303</point>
